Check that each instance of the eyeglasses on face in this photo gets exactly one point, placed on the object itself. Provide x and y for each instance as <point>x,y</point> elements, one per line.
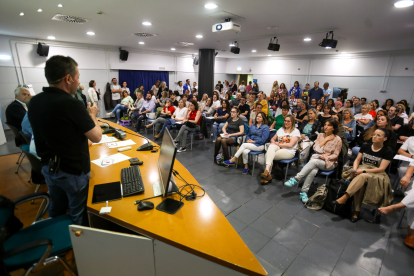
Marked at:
<point>376,135</point>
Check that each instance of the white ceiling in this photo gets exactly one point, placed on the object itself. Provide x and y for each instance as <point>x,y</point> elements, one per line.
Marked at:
<point>361,25</point>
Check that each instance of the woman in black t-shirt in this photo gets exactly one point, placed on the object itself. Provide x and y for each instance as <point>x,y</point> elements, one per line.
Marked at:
<point>233,128</point>
<point>379,156</point>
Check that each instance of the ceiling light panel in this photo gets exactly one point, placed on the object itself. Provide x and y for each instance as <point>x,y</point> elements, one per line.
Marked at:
<point>210,6</point>
<point>60,5</point>
<point>90,33</point>
<point>39,10</point>
<point>51,37</point>
<point>199,36</point>
<point>403,4</point>
<point>307,39</point>
<point>5,57</point>
<point>146,23</point>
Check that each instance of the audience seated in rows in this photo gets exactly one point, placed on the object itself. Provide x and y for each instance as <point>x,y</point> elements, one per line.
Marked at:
<point>253,114</point>
<point>147,107</point>
<point>357,106</point>
<point>337,109</point>
<point>300,115</point>
<point>282,146</point>
<point>325,115</point>
<point>255,141</point>
<point>121,107</point>
<point>232,129</point>
<point>262,101</point>
<point>388,104</point>
<point>401,113</point>
<point>396,121</point>
<point>327,148</point>
<point>379,113</point>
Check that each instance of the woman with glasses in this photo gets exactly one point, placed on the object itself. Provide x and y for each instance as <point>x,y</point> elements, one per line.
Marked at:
<point>191,123</point>
<point>370,166</point>
<point>220,118</point>
<point>255,141</point>
<point>327,148</point>
<point>282,146</point>
<point>232,129</point>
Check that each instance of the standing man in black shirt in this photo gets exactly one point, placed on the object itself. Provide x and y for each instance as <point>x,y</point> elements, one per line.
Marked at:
<point>62,127</point>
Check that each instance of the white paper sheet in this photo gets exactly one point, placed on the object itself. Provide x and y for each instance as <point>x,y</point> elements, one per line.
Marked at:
<point>403,158</point>
<point>210,118</point>
<point>119,157</point>
<point>120,144</point>
<point>106,139</point>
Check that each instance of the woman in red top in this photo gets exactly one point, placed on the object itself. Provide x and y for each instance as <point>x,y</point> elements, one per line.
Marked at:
<point>165,114</point>
<point>372,112</point>
<point>191,123</point>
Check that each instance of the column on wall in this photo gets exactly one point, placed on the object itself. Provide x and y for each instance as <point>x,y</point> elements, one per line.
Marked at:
<point>206,72</point>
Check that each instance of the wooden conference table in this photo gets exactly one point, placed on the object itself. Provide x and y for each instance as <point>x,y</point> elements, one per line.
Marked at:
<point>198,228</point>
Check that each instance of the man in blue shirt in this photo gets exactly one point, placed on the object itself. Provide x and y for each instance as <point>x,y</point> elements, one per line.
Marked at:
<point>147,107</point>
<point>326,91</point>
<point>187,85</point>
<point>315,93</point>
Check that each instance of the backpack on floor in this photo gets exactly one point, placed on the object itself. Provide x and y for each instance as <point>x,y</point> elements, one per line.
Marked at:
<point>219,159</point>
<point>336,189</point>
<point>317,201</point>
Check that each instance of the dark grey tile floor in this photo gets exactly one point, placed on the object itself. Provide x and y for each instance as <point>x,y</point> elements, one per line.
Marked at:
<point>289,239</point>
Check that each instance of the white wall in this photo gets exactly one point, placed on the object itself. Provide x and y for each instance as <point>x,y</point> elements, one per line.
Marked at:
<point>364,76</point>
<point>95,62</point>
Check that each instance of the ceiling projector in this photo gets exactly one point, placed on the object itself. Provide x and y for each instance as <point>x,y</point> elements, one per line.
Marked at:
<point>329,42</point>
<point>226,27</point>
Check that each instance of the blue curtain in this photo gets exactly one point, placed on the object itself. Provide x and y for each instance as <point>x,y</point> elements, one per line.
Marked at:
<point>135,78</point>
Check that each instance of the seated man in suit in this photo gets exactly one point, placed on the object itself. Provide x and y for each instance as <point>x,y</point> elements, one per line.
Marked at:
<point>17,109</point>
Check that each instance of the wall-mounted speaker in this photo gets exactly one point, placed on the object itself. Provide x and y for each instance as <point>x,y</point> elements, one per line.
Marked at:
<point>123,55</point>
<point>42,49</point>
<point>195,61</point>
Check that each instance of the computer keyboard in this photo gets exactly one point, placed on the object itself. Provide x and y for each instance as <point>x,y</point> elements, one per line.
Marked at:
<point>131,181</point>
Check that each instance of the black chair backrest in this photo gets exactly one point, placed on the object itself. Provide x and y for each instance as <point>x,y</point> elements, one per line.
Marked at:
<point>34,161</point>
<point>26,138</point>
<point>16,132</point>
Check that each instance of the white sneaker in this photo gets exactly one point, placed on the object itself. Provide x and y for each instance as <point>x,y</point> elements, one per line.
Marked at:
<point>181,149</point>
<point>110,114</point>
<point>117,122</point>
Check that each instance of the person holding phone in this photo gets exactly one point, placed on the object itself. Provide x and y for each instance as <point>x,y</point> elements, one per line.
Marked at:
<point>327,148</point>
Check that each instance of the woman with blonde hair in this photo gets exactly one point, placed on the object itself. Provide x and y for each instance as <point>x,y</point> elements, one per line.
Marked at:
<point>402,113</point>
<point>364,117</point>
<point>203,101</point>
<point>250,102</point>
<point>349,124</point>
<point>275,87</point>
<point>282,146</point>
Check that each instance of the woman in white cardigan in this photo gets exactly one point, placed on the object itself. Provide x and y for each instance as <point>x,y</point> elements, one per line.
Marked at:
<point>93,93</point>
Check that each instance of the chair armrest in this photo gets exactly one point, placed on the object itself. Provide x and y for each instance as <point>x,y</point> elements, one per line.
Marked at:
<point>28,246</point>
<point>39,195</point>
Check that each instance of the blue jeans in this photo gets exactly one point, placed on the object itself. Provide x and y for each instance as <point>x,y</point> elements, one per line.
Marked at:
<point>67,189</point>
<point>117,110</point>
<point>217,129</point>
<point>169,124</point>
<point>355,151</point>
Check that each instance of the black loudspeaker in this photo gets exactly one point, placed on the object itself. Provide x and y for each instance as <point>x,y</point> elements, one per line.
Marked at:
<point>42,49</point>
<point>123,55</point>
<point>195,61</point>
<point>235,50</point>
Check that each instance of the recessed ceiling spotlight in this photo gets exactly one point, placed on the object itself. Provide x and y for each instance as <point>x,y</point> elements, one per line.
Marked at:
<point>51,37</point>
<point>172,49</point>
<point>343,52</point>
<point>39,10</point>
<point>403,4</point>
<point>141,42</point>
<point>273,27</point>
<point>328,47</point>
<point>199,36</point>
<point>5,57</point>
<point>210,6</point>
<point>90,33</point>
<point>269,55</point>
<point>146,23</point>
<point>232,45</point>
<point>60,5</point>
<point>195,53</point>
<point>254,51</point>
<point>22,13</point>
<point>307,39</point>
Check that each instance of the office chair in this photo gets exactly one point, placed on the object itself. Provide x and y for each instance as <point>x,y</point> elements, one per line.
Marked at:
<point>193,133</point>
<point>43,242</point>
<point>18,142</point>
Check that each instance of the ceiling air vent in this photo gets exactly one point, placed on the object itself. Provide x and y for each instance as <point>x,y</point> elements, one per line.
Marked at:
<point>145,34</point>
<point>185,43</point>
<point>70,19</point>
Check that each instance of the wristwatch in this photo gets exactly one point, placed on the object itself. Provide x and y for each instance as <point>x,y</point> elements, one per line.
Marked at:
<point>364,171</point>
